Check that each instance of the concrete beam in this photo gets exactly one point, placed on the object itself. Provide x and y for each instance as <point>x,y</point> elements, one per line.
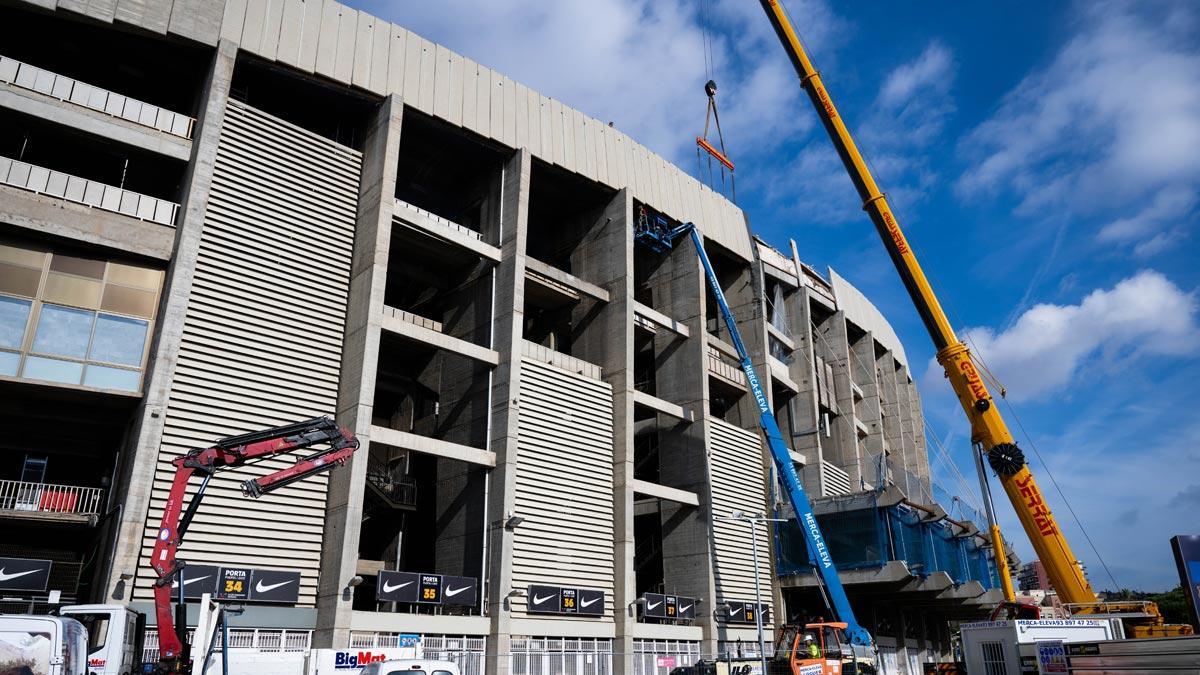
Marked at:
<point>664,631</point>
<point>893,572</point>
<point>419,221</point>
<point>644,487</point>
<point>558,627</point>
<point>59,217</point>
<point>782,337</point>
<point>779,371</point>
<point>398,326</point>
<point>664,407</point>
<point>661,319</point>
<point>94,122</point>
<point>721,346</point>
<point>432,446</point>
<point>444,624</point>
<point>585,287</point>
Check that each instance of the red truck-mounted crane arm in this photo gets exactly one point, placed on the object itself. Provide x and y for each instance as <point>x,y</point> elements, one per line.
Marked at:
<point>230,453</point>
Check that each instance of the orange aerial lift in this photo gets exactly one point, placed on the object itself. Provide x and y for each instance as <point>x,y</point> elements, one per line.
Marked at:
<point>989,432</point>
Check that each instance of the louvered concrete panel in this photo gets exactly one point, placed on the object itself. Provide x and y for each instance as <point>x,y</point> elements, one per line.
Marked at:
<point>262,337</point>
<point>738,484</point>
<point>564,487</point>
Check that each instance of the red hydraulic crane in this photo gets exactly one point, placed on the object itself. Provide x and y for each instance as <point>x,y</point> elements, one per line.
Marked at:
<point>231,453</point>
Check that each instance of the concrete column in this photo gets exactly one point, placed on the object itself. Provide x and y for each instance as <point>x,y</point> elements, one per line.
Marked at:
<point>140,462</point>
<point>360,360</point>
<point>605,257</point>
<point>862,359</point>
<point>679,287</point>
<point>509,313</point>
<point>844,441</point>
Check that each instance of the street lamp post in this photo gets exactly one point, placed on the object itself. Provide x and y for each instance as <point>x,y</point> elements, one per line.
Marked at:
<point>754,519</point>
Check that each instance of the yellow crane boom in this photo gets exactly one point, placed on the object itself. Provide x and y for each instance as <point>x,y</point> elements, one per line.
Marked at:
<point>988,429</point>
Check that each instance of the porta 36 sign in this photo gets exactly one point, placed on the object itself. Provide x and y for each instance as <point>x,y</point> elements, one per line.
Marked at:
<point>564,600</point>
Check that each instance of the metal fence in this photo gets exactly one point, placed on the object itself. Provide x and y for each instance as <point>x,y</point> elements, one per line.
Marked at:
<point>69,89</point>
<point>469,652</point>
<point>87,192</point>
<point>46,498</point>
<point>560,656</point>
<point>262,639</point>
<point>671,654</point>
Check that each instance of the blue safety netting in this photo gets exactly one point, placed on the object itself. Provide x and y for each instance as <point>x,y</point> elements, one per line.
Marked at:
<point>864,535</point>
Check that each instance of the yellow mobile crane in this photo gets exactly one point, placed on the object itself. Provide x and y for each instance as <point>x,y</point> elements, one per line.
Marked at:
<point>988,431</point>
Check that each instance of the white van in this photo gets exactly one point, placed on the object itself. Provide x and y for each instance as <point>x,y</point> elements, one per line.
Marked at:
<point>42,645</point>
<point>114,637</point>
<point>411,667</point>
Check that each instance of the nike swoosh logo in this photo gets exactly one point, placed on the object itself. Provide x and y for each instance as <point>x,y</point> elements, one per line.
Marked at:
<point>653,605</point>
<point>451,592</point>
<point>538,601</point>
<point>259,588</point>
<point>684,609</point>
<point>585,603</point>
<point>14,575</point>
<point>191,581</point>
<point>388,588</point>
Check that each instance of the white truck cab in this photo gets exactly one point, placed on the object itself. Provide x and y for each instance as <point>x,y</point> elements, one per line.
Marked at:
<point>114,636</point>
<point>42,645</point>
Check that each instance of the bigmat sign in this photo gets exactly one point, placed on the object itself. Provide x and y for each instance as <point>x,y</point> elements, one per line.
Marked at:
<point>1187,558</point>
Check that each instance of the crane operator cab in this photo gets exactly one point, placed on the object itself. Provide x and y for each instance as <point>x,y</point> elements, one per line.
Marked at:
<point>817,649</point>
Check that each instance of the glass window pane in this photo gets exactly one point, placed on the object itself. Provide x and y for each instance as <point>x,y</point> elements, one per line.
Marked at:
<point>9,362</point>
<point>119,340</point>
<point>19,280</point>
<point>52,370</point>
<point>111,378</point>
<point>129,275</point>
<point>125,300</point>
<point>14,314</point>
<point>73,291</point>
<point>63,331</point>
<point>93,269</point>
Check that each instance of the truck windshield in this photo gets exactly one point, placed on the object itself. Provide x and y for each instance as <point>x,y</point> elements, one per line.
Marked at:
<point>783,648</point>
<point>97,629</point>
<point>25,652</point>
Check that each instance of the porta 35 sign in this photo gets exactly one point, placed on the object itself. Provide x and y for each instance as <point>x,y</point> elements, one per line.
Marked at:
<point>427,589</point>
<point>563,600</point>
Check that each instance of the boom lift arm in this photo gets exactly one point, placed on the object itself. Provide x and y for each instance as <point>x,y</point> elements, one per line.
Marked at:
<point>230,453</point>
<point>656,233</point>
<point>988,428</point>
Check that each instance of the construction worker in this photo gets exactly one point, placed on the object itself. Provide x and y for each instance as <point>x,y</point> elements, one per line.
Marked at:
<point>814,652</point>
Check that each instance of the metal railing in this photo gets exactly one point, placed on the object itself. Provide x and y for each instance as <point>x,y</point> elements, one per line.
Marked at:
<point>400,490</point>
<point>71,90</point>
<point>444,222</point>
<point>87,192</point>
<point>17,495</point>
<point>262,639</point>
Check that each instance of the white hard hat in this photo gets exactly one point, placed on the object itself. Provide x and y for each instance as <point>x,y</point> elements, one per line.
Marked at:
<point>808,638</point>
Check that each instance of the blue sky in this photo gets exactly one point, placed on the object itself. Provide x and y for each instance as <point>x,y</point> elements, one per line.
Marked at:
<point>1044,159</point>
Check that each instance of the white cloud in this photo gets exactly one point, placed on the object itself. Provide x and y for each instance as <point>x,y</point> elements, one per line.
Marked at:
<point>933,69</point>
<point>1111,123</point>
<point>637,63</point>
<point>1048,345</point>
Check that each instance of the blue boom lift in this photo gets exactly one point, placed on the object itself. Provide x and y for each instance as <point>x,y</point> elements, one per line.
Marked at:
<point>656,232</point>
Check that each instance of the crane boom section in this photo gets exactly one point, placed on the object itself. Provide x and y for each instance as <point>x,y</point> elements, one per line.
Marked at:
<point>987,426</point>
<point>814,539</point>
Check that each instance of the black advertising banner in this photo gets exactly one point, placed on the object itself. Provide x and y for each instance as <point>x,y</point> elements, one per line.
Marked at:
<point>24,574</point>
<point>1187,559</point>
<point>234,583</point>
<point>460,591</point>
<point>591,602</point>
<point>197,580</point>
<point>275,586</point>
<point>660,606</point>
<point>397,586</point>
<point>743,612</point>
<point>560,600</point>
<point>543,599</point>
<point>430,589</point>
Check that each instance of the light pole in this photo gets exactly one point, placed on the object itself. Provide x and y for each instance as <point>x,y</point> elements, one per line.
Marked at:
<point>754,519</point>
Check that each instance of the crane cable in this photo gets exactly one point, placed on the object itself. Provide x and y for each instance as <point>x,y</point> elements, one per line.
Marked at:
<point>711,116</point>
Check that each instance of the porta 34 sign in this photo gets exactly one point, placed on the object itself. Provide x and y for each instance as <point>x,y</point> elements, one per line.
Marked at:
<point>240,583</point>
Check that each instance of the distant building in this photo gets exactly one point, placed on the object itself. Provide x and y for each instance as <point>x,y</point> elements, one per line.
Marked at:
<point>1033,577</point>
